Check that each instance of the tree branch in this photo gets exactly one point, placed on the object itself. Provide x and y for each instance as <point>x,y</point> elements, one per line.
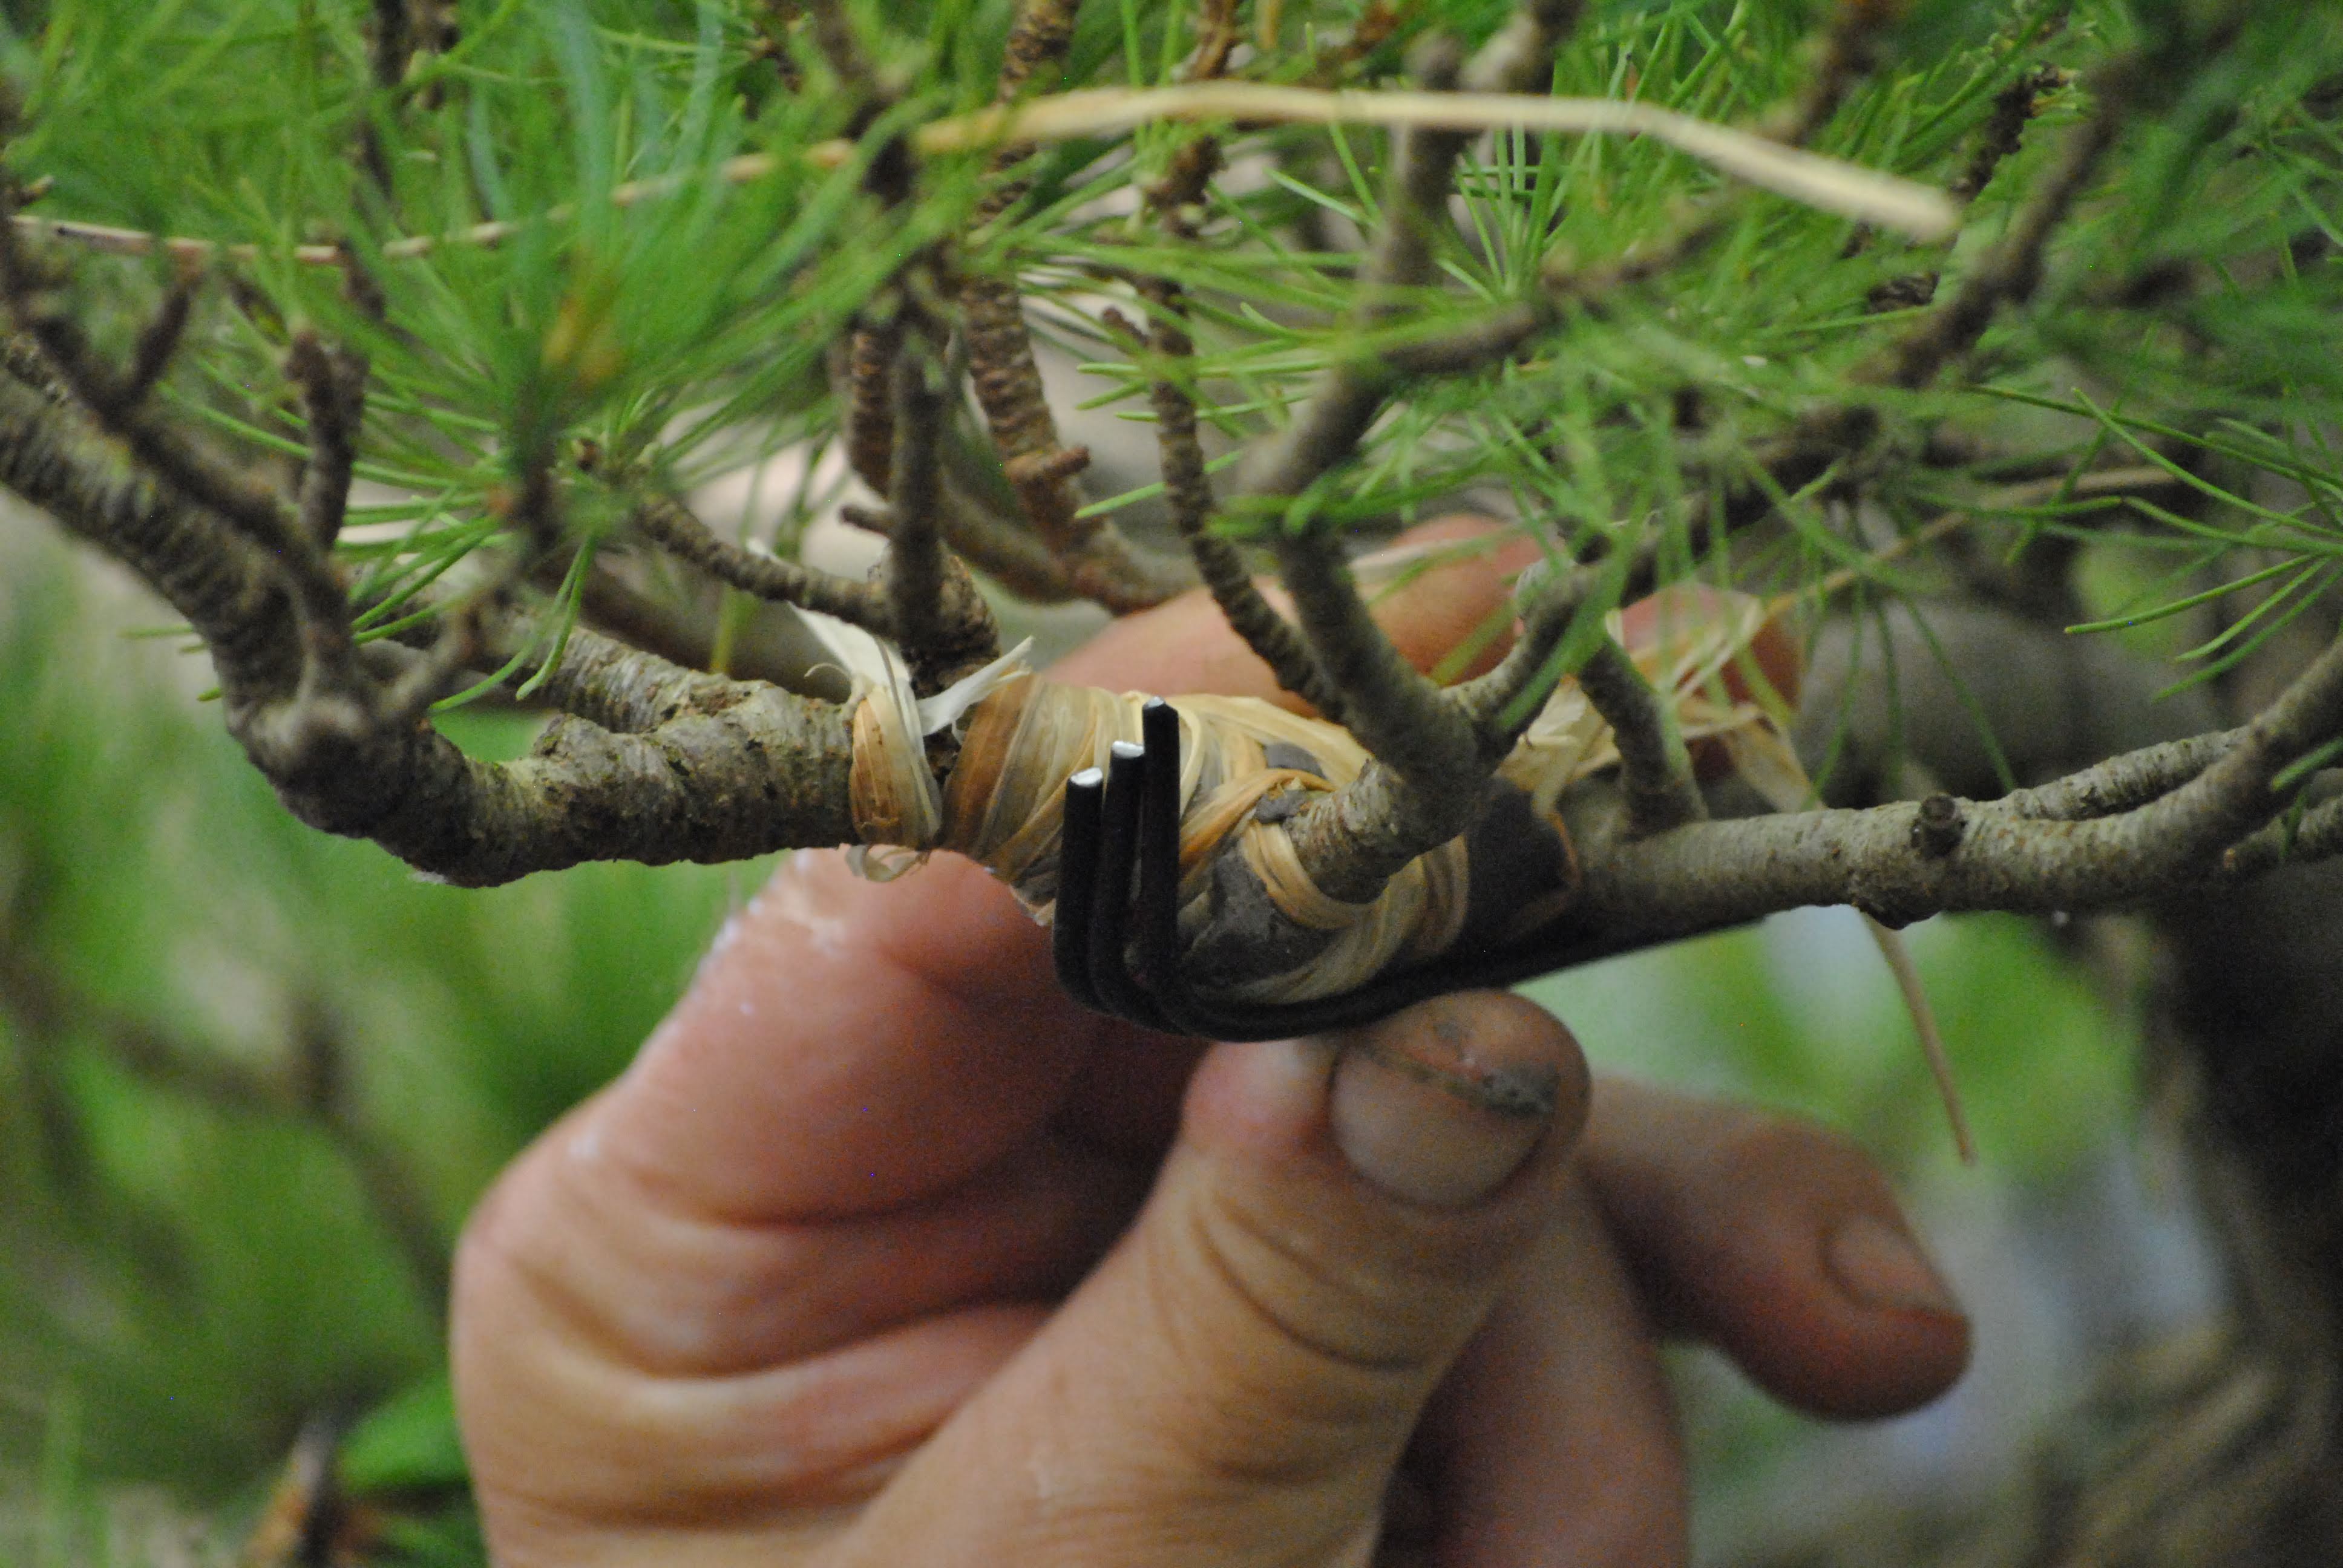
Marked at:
<point>332,384</point>
<point>1655,770</point>
<point>1100,563</point>
<point>2011,273</point>
<point>118,404</point>
<point>705,768</point>
<point>670,525</point>
<point>2009,855</point>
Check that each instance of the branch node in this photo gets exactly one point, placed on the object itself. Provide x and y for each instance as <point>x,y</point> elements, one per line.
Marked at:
<point>1938,824</point>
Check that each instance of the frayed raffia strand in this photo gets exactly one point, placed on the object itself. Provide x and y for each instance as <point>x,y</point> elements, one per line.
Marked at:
<point>897,804</point>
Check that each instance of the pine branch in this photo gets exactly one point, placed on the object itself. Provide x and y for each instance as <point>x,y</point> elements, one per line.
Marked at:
<point>709,770</point>
<point>332,385</point>
<point>993,543</point>
<point>670,525</point>
<point>869,381</point>
<point>1655,770</point>
<point>119,404</point>
<point>1189,490</point>
<point>2011,273</point>
<point>2007,856</point>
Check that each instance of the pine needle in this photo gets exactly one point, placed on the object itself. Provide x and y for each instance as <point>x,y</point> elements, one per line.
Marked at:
<point>1893,948</point>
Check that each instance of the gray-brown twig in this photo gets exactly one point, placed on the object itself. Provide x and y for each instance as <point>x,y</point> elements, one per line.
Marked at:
<point>670,525</point>
<point>1655,771</point>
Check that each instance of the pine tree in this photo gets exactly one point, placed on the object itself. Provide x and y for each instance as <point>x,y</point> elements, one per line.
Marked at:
<point>391,345</point>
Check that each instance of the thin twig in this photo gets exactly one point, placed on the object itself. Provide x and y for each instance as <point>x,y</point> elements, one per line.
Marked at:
<point>1098,560</point>
<point>870,401</point>
<point>2014,107</point>
<point>1395,712</point>
<point>2011,273</point>
<point>2318,836</point>
<point>1187,484</point>
<point>332,385</point>
<point>1189,490</point>
<point>915,561</point>
<point>1655,770</point>
<point>670,525</point>
<point>158,342</point>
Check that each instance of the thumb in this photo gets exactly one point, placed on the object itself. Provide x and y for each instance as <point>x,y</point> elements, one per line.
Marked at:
<point>1237,1380</point>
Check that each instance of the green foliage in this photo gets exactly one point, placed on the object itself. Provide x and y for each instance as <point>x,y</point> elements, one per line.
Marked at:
<point>650,306</point>
<point>201,1257</point>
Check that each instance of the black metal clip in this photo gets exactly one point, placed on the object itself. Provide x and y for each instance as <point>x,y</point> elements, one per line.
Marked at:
<point>1119,895</point>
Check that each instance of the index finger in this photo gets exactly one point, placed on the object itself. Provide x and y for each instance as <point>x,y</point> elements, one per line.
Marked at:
<point>849,1047</point>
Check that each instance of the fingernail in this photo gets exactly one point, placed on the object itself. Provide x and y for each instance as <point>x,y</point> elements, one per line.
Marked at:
<point>1438,1105</point>
<point>1880,1268</point>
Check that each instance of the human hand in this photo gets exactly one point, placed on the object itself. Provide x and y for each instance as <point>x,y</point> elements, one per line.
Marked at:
<point>884,1253</point>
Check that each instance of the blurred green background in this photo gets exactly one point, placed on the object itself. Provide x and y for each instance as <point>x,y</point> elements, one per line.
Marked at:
<point>251,1078</point>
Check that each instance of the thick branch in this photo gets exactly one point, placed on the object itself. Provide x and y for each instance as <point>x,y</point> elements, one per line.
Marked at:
<point>715,770</point>
<point>2007,854</point>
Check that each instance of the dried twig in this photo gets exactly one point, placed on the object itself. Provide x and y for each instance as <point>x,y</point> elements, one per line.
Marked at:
<point>1832,184</point>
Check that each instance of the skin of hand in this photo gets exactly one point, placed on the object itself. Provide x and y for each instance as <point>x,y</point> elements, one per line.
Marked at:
<point>885,1252</point>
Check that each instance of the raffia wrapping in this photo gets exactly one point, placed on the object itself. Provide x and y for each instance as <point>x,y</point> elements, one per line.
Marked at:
<point>1020,742</point>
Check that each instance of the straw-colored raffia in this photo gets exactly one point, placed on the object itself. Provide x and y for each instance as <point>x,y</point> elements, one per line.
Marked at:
<point>1020,743</point>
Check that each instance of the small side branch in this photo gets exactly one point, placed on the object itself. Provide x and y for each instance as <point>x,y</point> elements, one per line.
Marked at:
<point>1655,770</point>
<point>2013,271</point>
<point>1501,704</point>
<point>2123,783</point>
<point>1098,560</point>
<point>2014,108</point>
<point>1188,488</point>
<point>670,525</point>
<point>991,543</point>
<point>118,403</point>
<point>870,401</point>
<point>332,385</point>
<point>941,622</point>
<point>915,566</point>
